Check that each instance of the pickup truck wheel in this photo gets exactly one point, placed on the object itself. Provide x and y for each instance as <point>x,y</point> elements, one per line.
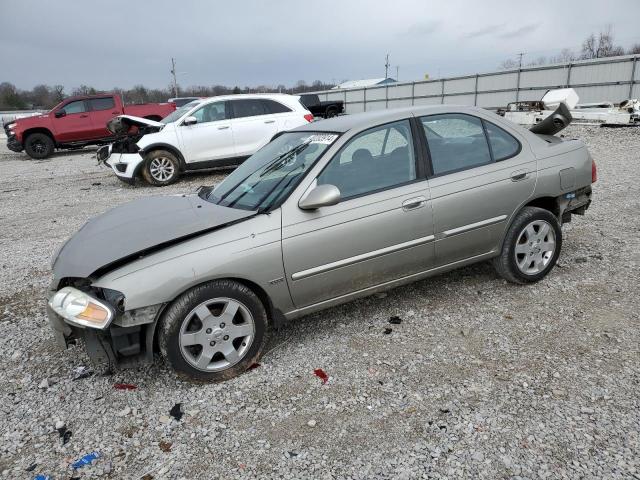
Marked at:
<point>531,246</point>
<point>39,145</point>
<point>161,168</point>
<point>214,332</point>
<point>331,112</point>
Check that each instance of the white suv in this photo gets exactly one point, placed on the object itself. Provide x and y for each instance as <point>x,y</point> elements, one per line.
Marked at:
<point>206,133</point>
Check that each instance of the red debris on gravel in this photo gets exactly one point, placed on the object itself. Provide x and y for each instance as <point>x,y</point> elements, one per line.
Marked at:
<point>320,373</point>
<point>124,386</point>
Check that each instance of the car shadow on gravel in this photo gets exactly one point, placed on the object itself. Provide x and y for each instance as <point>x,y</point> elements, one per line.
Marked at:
<point>378,308</point>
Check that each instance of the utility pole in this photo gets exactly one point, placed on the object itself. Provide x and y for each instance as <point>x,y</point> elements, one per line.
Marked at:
<point>521,54</point>
<point>397,73</point>
<point>386,67</point>
<point>173,72</point>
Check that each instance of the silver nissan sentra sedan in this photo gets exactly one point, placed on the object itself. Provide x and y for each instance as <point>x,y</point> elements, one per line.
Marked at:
<point>323,214</point>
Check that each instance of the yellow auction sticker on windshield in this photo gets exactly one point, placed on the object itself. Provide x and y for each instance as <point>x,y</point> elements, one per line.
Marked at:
<point>325,138</point>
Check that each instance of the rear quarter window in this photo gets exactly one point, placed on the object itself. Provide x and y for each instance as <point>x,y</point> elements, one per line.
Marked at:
<point>503,144</point>
<point>275,107</point>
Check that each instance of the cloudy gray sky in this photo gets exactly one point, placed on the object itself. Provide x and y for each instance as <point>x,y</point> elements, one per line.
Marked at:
<point>252,42</point>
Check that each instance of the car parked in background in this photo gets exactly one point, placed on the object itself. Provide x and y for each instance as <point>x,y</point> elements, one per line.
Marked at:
<point>181,101</point>
<point>214,132</point>
<point>74,123</point>
<point>325,213</point>
<point>324,109</point>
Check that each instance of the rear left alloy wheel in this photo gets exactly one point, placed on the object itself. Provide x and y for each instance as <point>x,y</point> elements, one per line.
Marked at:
<point>161,168</point>
<point>214,331</point>
<point>531,246</point>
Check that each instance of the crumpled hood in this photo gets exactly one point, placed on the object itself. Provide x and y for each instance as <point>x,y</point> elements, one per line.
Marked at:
<point>135,227</point>
<point>122,124</point>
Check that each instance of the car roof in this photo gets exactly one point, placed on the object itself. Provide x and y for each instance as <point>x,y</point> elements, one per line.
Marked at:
<point>240,96</point>
<point>344,123</point>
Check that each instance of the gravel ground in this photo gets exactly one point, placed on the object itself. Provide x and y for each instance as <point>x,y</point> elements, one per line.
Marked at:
<point>481,379</point>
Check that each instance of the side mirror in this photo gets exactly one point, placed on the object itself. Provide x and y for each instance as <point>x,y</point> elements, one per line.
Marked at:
<point>190,121</point>
<point>321,196</point>
<point>60,113</point>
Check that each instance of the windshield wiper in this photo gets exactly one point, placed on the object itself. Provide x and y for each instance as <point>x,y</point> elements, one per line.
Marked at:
<point>273,166</point>
<point>267,168</point>
<point>264,197</point>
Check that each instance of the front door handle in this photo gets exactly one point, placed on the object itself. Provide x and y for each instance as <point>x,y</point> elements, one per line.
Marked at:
<point>223,127</point>
<point>519,175</point>
<point>414,203</point>
<point>269,121</point>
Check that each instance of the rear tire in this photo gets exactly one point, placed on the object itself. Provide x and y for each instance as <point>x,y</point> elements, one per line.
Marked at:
<point>161,168</point>
<point>331,112</point>
<point>214,332</point>
<point>39,145</point>
<point>531,246</point>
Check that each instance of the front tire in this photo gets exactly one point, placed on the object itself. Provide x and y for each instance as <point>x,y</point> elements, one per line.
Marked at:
<point>531,246</point>
<point>39,146</point>
<point>214,332</point>
<point>161,168</point>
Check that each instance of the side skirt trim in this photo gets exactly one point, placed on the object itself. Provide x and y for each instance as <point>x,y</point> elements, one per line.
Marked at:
<point>386,286</point>
<point>360,258</point>
<point>473,226</point>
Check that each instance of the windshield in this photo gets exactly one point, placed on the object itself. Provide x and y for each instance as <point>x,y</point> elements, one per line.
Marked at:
<point>179,112</point>
<point>271,173</point>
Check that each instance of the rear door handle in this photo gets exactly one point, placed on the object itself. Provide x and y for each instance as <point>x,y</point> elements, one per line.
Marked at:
<point>269,121</point>
<point>519,175</point>
<point>84,116</point>
<point>413,203</point>
<point>223,127</point>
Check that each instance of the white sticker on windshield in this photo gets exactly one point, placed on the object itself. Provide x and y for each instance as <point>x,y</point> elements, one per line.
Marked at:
<point>325,139</point>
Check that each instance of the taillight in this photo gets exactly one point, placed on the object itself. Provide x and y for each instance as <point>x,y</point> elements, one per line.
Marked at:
<point>594,172</point>
<point>308,117</point>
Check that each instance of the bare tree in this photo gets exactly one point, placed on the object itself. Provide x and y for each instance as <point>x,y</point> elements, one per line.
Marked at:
<point>601,46</point>
<point>58,93</point>
<point>509,64</point>
<point>84,90</point>
<point>10,97</point>
<point>566,55</point>
<point>634,49</point>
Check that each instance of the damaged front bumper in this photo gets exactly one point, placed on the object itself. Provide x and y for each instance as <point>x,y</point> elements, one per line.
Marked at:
<point>125,165</point>
<point>127,341</point>
<point>14,144</point>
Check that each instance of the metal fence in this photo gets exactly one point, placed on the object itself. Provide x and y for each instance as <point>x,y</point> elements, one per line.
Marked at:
<point>608,79</point>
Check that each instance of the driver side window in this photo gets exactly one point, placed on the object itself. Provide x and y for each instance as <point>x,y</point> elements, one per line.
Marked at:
<point>75,107</point>
<point>212,112</point>
<point>376,159</point>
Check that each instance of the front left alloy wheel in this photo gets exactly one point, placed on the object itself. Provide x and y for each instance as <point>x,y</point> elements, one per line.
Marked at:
<point>214,332</point>
<point>161,168</point>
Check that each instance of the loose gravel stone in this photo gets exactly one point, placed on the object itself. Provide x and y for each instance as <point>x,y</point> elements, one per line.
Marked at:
<point>482,379</point>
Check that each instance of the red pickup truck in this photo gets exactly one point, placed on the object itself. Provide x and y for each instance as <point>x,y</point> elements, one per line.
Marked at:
<point>74,123</point>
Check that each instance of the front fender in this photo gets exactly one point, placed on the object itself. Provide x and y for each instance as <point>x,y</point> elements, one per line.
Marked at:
<point>249,250</point>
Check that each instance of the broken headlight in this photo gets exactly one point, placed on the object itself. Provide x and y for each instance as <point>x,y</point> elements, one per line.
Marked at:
<point>81,309</point>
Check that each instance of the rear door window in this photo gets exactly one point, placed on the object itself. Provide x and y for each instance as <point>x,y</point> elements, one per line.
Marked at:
<point>456,142</point>
<point>98,104</point>
<point>248,108</point>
